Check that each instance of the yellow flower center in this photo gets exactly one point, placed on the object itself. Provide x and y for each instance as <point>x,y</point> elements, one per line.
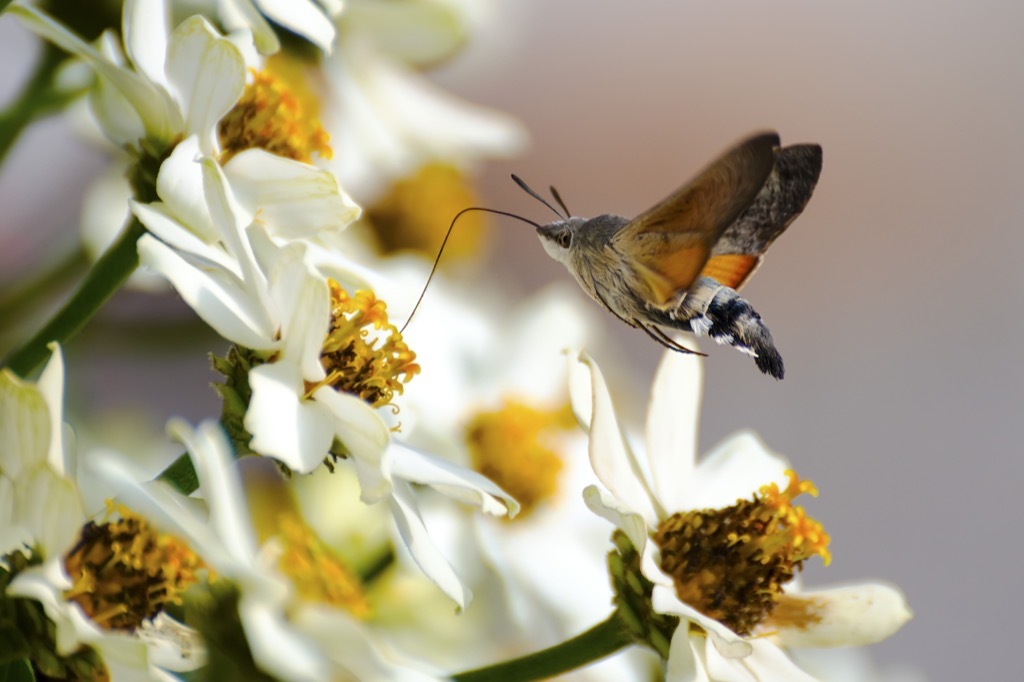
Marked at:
<point>514,446</point>
<point>319,574</point>
<point>364,354</point>
<point>414,215</point>
<point>124,572</point>
<point>732,563</point>
<point>277,112</point>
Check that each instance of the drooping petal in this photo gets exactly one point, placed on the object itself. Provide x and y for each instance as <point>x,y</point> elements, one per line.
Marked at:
<point>765,663</point>
<point>672,420</point>
<point>364,435</point>
<point>217,296</point>
<point>295,200</point>
<point>609,508</point>
<point>450,479</point>
<point>853,615</point>
<point>422,548</point>
<point>727,643</point>
<point>685,657</point>
<point>242,14</point>
<point>179,184</point>
<point>610,455</point>
<point>285,425</point>
<point>207,76</point>
<point>156,109</point>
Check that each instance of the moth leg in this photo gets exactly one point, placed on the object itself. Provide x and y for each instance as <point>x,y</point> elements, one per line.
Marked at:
<point>667,341</point>
<point>609,309</point>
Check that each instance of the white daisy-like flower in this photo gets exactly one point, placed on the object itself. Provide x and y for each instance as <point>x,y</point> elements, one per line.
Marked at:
<point>303,328</point>
<point>158,85</point>
<point>717,557</point>
<point>43,521</point>
<point>288,636</point>
<point>387,117</point>
<point>313,20</point>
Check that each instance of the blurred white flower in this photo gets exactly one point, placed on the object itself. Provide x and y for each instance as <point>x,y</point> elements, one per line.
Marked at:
<point>389,119</point>
<point>289,636</point>
<point>310,19</point>
<point>670,507</point>
<point>42,519</point>
<point>156,85</point>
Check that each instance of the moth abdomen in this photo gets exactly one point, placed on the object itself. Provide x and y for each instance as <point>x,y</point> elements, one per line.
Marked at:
<point>718,312</point>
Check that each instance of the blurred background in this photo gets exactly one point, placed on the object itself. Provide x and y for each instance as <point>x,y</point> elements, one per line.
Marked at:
<point>896,299</point>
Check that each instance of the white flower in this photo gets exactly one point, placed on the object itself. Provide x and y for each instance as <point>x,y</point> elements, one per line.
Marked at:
<point>161,86</point>
<point>312,20</point>
<point>41,512</point>
<point>288,637</point>
<point>387,118</point>
<point>640,496</point>
<point>274,301</point>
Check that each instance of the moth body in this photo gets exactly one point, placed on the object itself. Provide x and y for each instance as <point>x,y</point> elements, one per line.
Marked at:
<point>680,264</point>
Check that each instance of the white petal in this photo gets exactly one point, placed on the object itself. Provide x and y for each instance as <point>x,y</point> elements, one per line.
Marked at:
<point>672,419</point>
<point>766,663</point>
<point>303,301</point>
<point>46,584</point>
<point>144,25</point>
<point>685,657</point>
<point>607,507</point>
<point>854,615</point>
<point>179,184</point>
<point>217,296</point>
<point>610,456</point>
<point>295,200</point>
<point>51,385</point>
<point>735,469</point>
<point>450,479</point>
<point>239,14</point>
<point>228,219</point>
<point>302,17</point>
<point>422,548</point>
<point>162,224</point>
<point>49,506</point>
<point>172,645</point>
<point>207,76</point>
<point>361,430</point>
<point>285,425</point>
<point>277,648</point>
<point>163,507</point>
<point>24,426</point>
<point>13,533</point>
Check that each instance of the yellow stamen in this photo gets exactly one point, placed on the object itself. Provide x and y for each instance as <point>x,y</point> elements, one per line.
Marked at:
<point>364,354</point>
<point>317,572</point>
<point>415,213</point>
<point>732,563</point>
<point>124,572</point>
<point>277,112</point>
<point>514,446</point>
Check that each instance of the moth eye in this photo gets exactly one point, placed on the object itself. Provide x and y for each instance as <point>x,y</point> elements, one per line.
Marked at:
<point>564,239</point>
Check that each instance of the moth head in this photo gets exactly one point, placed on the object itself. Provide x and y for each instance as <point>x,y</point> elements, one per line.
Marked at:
<point>559,238</point>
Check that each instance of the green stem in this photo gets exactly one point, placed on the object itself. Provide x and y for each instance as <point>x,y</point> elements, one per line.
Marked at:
<point>43,285</point>
<point>105,278</point>
<point>600,641</point>
<point>38,99</point>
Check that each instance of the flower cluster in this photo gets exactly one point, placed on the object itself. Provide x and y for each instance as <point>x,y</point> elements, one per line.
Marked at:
<point>370,503</point>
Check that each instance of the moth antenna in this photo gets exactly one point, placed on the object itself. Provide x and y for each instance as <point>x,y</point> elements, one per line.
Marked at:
<point>444,242</point>
<point>526,188</point>
<point>558,198</point>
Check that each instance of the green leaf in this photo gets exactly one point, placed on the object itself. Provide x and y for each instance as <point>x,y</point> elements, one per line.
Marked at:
<point>17,671</point>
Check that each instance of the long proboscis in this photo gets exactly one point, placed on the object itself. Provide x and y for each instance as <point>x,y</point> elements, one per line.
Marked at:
<point>445,242</point>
